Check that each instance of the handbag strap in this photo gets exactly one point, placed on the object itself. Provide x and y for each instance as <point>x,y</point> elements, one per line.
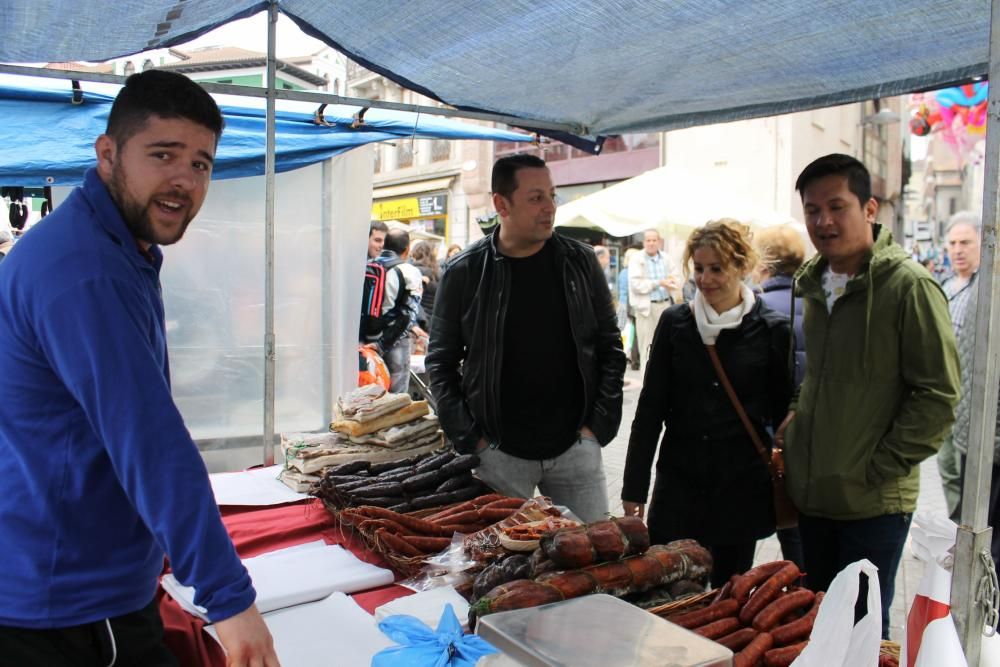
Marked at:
<point>735,400</point>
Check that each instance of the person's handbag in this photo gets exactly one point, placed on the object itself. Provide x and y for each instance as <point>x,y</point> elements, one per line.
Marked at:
<point>785,514</point>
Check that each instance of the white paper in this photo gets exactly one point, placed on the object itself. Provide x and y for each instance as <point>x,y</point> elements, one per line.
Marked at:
<point>333,631</point>
<point>260,486</point>
<point>288,577</point>
<point>427,606</point>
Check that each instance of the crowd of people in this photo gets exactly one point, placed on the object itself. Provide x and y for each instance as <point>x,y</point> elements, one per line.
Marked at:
<point>846,364</point>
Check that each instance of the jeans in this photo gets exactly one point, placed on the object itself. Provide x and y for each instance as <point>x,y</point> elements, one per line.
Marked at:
<point>791,545</point>
<point>948,462</point>
<point>134,639</point>
<point>829,546</point>
<point>397,359</point>
<point>574,479</point>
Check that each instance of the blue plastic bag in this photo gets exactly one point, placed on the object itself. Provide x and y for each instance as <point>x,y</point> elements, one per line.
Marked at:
<point>422,647</point>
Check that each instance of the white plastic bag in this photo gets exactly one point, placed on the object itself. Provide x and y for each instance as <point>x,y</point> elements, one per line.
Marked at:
<point>835,640</point>
<point>931,639</point>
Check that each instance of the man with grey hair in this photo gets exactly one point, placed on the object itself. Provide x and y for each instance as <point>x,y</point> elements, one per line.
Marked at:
<point>604,259</point>
<point>963,250</point>
<point>650,283</point>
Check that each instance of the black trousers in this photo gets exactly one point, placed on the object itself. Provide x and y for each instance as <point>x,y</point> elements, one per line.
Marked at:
<point>994,511</point>
<point>730,559</point>
<point>132,639</point>
<point>829,546</point>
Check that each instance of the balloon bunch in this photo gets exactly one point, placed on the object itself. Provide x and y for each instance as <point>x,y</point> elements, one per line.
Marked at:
<point>958,114</point>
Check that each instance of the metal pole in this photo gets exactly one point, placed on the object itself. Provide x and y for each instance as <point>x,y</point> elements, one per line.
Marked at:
<point>269,154</point>
<point>973,533</point>
<point>312,96</point>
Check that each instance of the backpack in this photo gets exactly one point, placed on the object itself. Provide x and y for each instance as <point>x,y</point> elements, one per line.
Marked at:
<point>384,327</point>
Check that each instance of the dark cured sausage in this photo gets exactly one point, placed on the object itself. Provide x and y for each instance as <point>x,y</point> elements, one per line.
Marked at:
<point>800,628</point>
<point>767,592</point>
<point>772,614</point>
<point>754,651</point>
<point>714,612</point>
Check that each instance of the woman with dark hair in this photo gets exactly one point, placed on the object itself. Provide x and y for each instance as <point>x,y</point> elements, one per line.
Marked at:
<point>423,255</point>
<point>711,482</point>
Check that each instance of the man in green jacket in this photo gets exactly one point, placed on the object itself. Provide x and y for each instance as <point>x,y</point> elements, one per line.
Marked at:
<point>881,382</point>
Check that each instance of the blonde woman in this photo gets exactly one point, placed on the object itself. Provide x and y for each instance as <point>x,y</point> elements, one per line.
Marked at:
<point>711,484</point>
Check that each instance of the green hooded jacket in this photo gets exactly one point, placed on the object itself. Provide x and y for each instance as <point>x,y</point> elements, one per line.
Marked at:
<point>879,393</point>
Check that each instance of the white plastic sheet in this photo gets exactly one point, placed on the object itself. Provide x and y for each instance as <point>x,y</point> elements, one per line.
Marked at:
<point>253,487</point>
<point>292,576</point>
<point>333,631</point>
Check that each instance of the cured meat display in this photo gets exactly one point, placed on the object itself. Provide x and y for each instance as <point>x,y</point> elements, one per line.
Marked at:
<point>761,615</point>
<point>658,566</point>
<point>372,426</point>
<point>596,542</point>
<point>415,483</point>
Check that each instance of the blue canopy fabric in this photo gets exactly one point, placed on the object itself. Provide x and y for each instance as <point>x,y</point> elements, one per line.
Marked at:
<point>600,66</point>
<point>50,141</point>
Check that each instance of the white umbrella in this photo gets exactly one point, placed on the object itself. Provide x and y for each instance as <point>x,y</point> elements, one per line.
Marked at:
<point>671,200</point>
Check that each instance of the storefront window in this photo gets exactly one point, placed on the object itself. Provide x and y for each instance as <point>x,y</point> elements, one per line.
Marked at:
<point>440,150</point>
<point>404,154</point>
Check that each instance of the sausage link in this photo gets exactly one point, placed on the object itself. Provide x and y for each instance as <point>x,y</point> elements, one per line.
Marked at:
<point>783,657</point>
<point>719,628</point>
<point>772,614</point>
<point>754,651</point>
<point>768,591</point>
<point>735,641</point>
<point>799,628</point>
<point>746,582</point>
<point>712,612</point>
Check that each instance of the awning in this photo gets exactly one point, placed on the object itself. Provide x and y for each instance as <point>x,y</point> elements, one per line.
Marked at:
<point>432,185</point>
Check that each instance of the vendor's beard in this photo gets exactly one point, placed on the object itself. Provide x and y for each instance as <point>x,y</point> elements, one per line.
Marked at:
<point>135,213</point>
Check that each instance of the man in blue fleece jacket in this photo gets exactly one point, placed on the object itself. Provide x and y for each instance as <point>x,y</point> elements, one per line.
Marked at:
<point>100,476</point>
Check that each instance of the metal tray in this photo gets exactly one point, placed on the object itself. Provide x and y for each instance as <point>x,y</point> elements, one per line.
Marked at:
<point>597,631</point>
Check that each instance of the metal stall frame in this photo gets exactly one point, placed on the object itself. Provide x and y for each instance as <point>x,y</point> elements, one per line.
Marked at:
<point>973,587</point>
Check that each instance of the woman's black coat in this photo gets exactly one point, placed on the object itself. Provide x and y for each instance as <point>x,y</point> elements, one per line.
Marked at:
<point>711,484</point>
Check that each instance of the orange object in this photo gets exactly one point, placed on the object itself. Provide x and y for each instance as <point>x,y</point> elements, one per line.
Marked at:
<point>371,368</point>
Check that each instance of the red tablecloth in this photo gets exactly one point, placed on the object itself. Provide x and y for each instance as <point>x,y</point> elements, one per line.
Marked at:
<point>257,530</point>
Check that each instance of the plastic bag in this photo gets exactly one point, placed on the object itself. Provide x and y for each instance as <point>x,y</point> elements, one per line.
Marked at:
<point>931,639</point>
<point>835,640</point>
<point>423,647</point>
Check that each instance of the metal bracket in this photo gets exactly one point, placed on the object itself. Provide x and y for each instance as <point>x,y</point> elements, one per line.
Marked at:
<point>359,118</point>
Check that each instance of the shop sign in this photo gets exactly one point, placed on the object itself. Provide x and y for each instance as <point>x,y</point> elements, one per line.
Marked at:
<point>410,207</point>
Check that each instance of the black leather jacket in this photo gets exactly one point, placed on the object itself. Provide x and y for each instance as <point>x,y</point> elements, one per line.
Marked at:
<point>465,353</point>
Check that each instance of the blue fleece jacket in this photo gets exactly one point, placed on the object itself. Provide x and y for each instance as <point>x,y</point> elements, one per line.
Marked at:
<point>99,474</point>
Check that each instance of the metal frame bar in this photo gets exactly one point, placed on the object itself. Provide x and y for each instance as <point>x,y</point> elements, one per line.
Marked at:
<point>315,97</point>
<point>973,533</point>
<point>269,164</point>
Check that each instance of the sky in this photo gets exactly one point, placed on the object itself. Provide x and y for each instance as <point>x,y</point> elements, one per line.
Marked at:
<point>251,33</point>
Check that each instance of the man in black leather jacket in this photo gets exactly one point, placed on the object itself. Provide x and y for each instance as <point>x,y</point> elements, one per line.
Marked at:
<point>525,357</point>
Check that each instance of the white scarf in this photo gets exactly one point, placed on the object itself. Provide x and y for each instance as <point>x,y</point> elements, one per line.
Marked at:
<point>711,324</point>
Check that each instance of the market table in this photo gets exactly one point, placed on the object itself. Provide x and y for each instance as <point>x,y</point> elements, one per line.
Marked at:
<point>254,531</point>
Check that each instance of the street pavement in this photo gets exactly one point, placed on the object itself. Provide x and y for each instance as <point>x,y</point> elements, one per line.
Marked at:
<point>931,499</point>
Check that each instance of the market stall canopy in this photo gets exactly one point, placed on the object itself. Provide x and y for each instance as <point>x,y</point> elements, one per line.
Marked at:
<point>600,67</point>
<point>669,199</point>
<point>50,140</point>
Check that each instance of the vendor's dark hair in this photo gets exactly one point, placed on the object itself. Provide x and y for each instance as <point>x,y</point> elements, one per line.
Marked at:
<point>504,180</point>
<point>163,94</point>
<point>397,240</point>
<point>378,226</point>
<point>859,181</point>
